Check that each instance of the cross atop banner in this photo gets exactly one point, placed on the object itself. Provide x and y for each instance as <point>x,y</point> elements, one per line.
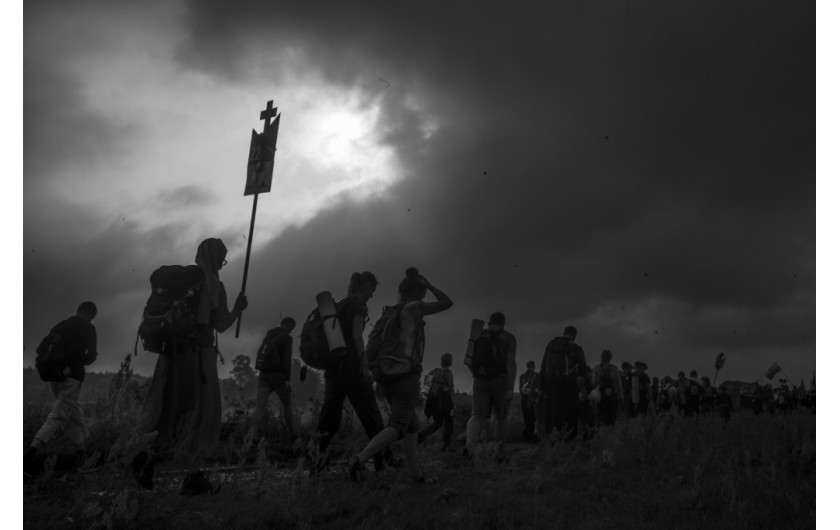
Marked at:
<point>261,154</point>
<point>260,171</point>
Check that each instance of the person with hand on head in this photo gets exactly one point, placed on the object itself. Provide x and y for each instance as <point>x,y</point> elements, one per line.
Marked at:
<point>403,393</point>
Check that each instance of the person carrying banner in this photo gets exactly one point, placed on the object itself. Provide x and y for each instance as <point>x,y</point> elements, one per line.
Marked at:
<point>184,402</point>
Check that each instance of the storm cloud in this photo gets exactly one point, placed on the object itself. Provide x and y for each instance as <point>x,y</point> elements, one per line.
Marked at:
<point>645,172</point>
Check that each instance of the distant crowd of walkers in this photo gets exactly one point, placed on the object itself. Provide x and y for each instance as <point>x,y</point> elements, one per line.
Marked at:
<point>564,399</point>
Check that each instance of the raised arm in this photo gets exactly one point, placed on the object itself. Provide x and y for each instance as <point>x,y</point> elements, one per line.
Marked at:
<point>442,304</point>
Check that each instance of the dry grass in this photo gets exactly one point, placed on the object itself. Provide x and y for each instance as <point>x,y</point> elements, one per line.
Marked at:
<point>753,472</point>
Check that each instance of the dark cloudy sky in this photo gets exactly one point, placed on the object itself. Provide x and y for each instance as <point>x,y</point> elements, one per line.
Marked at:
<point>642,170</point>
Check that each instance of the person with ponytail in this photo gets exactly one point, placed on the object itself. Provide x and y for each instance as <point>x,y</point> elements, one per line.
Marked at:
<point>351,378</point>
<point>403,395</point>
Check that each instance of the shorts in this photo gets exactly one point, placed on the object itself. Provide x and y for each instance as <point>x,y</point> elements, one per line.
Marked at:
<point>489,395</point>
<point>404,397</point>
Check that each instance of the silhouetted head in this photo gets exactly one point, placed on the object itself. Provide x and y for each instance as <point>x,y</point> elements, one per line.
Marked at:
<point>211,255</point>
<point>446,360</point>
<point>693,374</point>
<point>639,365</point>
<point>706,381</point>
<point>288,323</point>
<point>606,356</point>
<point>570,332</point>
<point>530,365</point>
<point>363,285</point>
<point>411,288</point>
<point>655,380</point>
<point>681,374</point>
<point>86,310</point>
<point>497,321</point>
<point>626,366</point>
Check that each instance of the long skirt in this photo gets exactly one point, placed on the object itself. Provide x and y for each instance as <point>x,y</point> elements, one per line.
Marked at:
<point>184,402</point>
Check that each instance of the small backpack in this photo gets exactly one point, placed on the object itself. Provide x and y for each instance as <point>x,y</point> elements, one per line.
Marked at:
<point>49,359</point>
<point>385,350</point>
<point>488,359</point>
<point>314,350</point>
<point>269,356</point>
<point>168,323</point>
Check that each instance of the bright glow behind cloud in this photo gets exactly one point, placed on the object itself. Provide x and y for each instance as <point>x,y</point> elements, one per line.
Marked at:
<point>189,131</point>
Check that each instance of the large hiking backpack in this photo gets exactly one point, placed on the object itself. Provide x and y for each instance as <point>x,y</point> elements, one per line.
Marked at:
<point>489,360</point>
<point>269,355</point>
<point>168,323</point>
<point>386,351</point>
<point>50,360</point>
<point>561,361</point>
<point>314,350</point>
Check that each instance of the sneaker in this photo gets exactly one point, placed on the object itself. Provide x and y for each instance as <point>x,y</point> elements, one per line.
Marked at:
<point>196,484</point>
<point>355,469</point>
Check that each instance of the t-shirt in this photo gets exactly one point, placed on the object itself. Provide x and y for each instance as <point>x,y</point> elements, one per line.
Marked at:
<point>348,309</point>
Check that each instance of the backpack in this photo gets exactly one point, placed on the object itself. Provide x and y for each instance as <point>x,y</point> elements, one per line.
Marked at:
<point>434,381</point>
<point>385,350</point>
<point>269,356</point>
<point>314,350</point>
<point>488,359</point>
<point>561,360</point>
<point>168,323</point>
<point>49,359</point>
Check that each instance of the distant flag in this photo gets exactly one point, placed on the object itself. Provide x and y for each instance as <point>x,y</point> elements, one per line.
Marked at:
<point>772,371</point>
<point>719,360</point>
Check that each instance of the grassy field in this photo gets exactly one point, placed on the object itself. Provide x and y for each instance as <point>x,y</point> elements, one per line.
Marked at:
<point>654,472</point>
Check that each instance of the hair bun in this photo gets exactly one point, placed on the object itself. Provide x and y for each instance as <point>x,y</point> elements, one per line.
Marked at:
<point>412,272</point>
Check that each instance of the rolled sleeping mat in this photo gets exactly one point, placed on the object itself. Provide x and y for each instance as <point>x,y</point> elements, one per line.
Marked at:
<point>329,318</point>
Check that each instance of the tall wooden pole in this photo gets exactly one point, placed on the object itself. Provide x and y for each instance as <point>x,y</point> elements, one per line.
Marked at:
<point>247,257</point>
<point>266,115</point>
